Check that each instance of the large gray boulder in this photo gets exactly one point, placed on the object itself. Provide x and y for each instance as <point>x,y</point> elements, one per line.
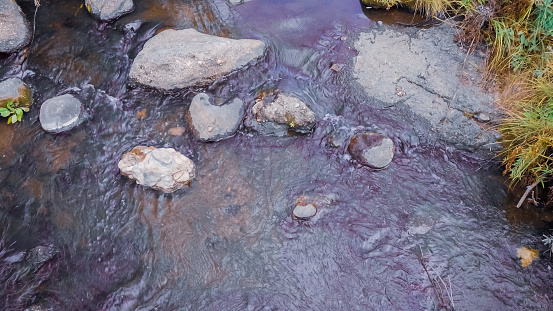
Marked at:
<point>16,91</point>
<point>15,31</point>
<point>285,113</point>
<point>109,9</point>
<point>210,122</point>
<point>163,169</point>
<point>372,149</point>
<point>424,73</point>
<point>176,59</point>
<point>61,113</point>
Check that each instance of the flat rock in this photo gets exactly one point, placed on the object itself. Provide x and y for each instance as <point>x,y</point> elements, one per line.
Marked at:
<point>16,91</point>
<point>285,113</point>
<point>177,59</point>
<point>210,122</point>
<point>372,150</point>
<point>426,74</point>
<point>109,9</point>
<point>163,169</point>
<point>61,113</point>
<point>15,31</point>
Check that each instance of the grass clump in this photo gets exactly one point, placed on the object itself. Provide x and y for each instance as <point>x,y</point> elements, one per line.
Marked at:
<point>528,134</point>
<point>522,36</point>
<point>428,7</point>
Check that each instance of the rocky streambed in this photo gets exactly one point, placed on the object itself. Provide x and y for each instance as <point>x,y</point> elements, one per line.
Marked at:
<point>215,155</point>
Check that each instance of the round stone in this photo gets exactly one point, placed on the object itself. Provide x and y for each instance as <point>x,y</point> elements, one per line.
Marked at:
<point>372,149</point>
<point>305,211</point>
<point>61,113</point>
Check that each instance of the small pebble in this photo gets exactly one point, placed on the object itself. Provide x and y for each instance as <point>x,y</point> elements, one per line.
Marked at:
<point>305,211</point>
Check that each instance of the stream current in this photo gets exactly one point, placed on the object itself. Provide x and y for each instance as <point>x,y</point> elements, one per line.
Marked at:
<point>433,231</point>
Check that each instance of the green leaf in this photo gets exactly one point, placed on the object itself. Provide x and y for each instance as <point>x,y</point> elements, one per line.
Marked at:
<point>19,112</point>
<point>9,105</point>
<point>13,118</point>
<point>5,113</point>
<point>25,109</point>
<point>19,117</point>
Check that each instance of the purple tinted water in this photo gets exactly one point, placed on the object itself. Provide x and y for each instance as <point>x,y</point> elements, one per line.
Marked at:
<point>381,240</point>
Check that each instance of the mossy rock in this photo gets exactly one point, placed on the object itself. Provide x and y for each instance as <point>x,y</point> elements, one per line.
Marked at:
<point>16,91</point>
<point>386,4</point>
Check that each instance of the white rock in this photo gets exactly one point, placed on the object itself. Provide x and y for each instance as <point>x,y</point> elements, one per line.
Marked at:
<point>163,169</point>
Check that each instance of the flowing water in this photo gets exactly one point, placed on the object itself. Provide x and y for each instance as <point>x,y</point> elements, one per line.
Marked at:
<point>436,229</point>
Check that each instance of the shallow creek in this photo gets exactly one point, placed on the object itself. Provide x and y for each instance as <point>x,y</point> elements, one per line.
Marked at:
<point>437,220</point>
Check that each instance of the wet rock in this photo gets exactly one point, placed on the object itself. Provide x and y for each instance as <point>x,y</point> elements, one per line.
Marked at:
<point>394,68</point>
<point>336,67</point>
<point>372,150</point>
<point>163,169</point>
<point>38,256</point>
<point>16,91</point>
<point>285,113</point>
<point>305,211</point>
<point>176,59</point>
<point>210,122</point>
<point>235,2</point>
<point>39,307</point>
<point>109,9</point>
<point>61,113</point>
<point>482,117</point>
<point>14,28</point>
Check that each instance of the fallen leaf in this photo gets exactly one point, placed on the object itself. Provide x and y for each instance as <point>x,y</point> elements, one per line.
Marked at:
<point>176,131</point>
<point>527,255</point>
<point>141,114</point>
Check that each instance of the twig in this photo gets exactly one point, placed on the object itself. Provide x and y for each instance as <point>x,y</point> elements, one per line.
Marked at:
<point>528,189</point>
<point>433,281</point>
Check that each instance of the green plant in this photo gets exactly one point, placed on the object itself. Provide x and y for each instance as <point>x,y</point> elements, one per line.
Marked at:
<point>13,114</point>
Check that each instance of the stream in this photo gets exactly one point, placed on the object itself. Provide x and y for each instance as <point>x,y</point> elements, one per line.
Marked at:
<point>436,230</point>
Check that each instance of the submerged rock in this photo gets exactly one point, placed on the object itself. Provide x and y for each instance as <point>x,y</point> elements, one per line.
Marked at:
<point>61,113</point>
<point>38,256</point>
<point>372,150</point>
<point>14,28</point>
<point>16,91</point>
<point>163,169</point>
<point>109,9</point>
<point>235,2</point>
<point>285,113</point>
<point>210,122</point>
<point>176,59</point>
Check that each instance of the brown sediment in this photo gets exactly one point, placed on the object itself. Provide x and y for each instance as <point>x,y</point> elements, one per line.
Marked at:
<point>52,155</point>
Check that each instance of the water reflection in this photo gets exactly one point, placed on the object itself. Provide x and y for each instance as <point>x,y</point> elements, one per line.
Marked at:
<point>229,241</point>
